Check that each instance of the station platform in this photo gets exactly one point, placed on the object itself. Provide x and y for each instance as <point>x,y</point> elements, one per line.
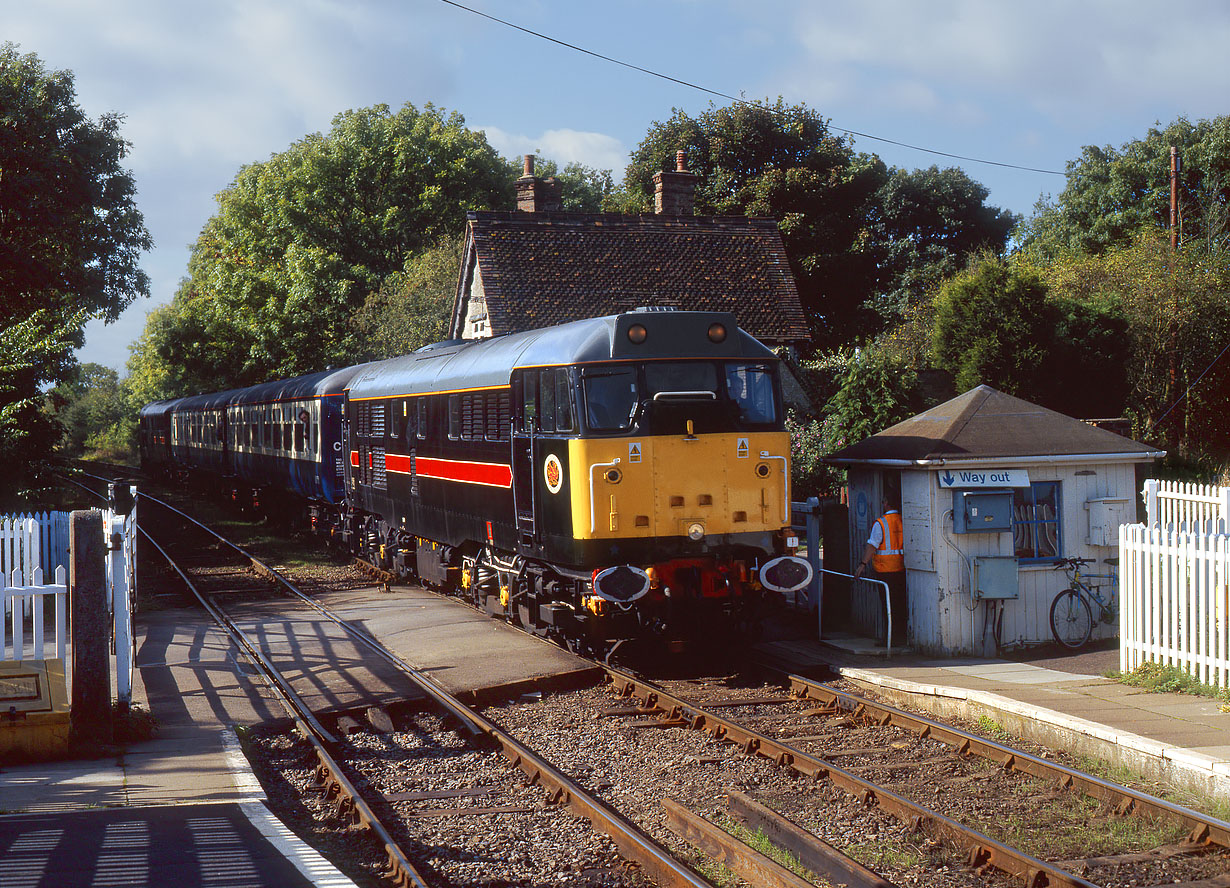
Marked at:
<point>189,792</point>
<point>161,812</point>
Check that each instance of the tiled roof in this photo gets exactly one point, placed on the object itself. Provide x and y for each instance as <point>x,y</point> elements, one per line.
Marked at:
<point>540,269</point>
<point>985,423</point>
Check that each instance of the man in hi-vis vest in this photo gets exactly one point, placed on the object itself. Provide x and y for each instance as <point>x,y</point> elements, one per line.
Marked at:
<point>885,552</point>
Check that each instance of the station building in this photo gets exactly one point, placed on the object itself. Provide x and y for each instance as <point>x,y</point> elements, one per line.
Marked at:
<point>992,490</point>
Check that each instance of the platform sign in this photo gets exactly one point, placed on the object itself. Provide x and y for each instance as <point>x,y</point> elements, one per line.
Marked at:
<point>967,479</point>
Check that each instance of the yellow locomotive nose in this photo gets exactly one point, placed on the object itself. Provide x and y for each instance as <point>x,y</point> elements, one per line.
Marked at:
<point>687,486</point>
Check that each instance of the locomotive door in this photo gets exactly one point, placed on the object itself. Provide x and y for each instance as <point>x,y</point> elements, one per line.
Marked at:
<point>523,485</point>
<point>524,421</point>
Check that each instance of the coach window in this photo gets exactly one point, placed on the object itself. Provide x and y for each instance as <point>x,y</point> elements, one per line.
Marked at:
<point>421,429</point>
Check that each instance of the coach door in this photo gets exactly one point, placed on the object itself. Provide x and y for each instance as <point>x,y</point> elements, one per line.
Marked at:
<point>525,419</point>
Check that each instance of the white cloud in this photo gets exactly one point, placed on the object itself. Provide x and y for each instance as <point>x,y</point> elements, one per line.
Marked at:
<point>564,146</point>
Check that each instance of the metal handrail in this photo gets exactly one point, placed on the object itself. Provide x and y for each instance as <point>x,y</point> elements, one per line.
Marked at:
<point>888,604</point>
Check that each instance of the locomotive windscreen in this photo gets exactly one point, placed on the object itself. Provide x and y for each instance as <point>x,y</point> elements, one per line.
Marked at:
<point>739,394</point>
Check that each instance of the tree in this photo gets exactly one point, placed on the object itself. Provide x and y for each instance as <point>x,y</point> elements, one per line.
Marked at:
<point>90,409</point>
<point>928,222</point>
<point>413,307</point>
<point>1175,311</point>
<point>70,239</point>
<point>302,239</point>
<point>864,242</point>
<point>582,189</point>
<point>780,161</point>
<point>991,327</point>
<point>1112,194</point>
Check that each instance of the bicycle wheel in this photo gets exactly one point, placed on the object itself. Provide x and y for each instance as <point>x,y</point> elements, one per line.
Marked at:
<point>1071,619</point>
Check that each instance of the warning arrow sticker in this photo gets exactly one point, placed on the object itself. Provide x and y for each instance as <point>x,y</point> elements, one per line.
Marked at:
<point>634,452</point>
<point>741,448</point>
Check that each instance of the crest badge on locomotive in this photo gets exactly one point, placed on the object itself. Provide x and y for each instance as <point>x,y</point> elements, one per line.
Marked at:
<point>554,473</point>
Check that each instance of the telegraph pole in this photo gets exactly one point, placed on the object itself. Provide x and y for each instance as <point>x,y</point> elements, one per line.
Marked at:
<point>1174,198</point>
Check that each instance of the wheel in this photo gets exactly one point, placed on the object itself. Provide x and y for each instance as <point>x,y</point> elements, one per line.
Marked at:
<point>1071,620</point>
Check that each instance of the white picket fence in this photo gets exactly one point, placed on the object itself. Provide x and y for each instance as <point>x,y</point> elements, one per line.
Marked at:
<point>1174,582</point>
<point>1183,506</point>
<point>35,596</point>
<point>34,546</point>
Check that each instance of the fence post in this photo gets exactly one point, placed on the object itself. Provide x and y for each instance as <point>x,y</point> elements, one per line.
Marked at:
<point>1149,492</point>
<point>91,696</point>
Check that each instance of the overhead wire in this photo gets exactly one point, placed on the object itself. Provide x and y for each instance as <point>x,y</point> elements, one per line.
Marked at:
<point>719,94</point>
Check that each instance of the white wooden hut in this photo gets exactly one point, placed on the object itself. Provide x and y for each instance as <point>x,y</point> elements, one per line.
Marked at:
<point>1040,485</point>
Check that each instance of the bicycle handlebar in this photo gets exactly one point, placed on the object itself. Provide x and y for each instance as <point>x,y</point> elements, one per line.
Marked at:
<point>1071,562</point>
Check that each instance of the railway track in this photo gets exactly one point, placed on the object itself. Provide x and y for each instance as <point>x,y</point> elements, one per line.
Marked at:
<point>375,809</point>
<point>850,763</point>
<point>953,786</point>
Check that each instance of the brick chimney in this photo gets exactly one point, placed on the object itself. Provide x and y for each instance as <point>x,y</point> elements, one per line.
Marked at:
<point>536,195</point>
<point>674,194</point>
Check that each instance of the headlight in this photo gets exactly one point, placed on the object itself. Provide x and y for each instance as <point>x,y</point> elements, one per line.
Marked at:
<point>696,531</point>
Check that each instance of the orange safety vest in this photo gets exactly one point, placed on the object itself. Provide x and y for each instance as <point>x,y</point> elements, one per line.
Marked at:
<point>890,556</point>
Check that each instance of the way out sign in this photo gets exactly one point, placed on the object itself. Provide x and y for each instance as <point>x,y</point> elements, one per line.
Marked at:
<point>971,478</point>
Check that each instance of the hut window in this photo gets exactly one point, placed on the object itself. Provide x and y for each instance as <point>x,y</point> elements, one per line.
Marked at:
<point>1036,521</point>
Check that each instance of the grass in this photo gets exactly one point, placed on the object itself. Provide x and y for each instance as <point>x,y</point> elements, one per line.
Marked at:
<point>1165,679</point>
<point>993,729</point>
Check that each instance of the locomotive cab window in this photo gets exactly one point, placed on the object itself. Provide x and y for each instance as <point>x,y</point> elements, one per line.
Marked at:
<point>610,397</point>
<point>692,379</point>
<point>750,386</point>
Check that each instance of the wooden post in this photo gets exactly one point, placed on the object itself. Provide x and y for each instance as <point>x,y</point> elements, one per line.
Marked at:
<point>91,628</point>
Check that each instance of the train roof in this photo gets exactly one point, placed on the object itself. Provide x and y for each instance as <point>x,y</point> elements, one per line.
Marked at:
<point>488,363</point>
<point>311,385</point>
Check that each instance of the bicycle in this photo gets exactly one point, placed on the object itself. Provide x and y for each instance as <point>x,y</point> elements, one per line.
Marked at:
<point>1072,610</point>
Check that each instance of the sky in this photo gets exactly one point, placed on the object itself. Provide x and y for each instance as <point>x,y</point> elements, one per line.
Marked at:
<point>209,86</point>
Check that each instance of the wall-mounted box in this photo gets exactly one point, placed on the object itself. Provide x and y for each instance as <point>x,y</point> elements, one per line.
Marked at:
<point>995,576</point>
<point>1105,515</point>
<point>981,511</point>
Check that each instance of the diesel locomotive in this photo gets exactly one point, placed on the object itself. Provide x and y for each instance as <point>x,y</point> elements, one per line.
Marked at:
<point>607,479</point>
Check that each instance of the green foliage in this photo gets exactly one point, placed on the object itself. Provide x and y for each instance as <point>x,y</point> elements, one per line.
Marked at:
<point>928,222</point>
<point>874,390</point>
<point>990,327</point>
<point>93,414</point>
<point>864,241</point>
<point>70,237</point>
<point>1113,194</point>
<point>1172,312</point>
<point>781,161</point>
<point>1164,679</point>
<point>412,308</point>
<point>301,240</point>
<point>32,349</point>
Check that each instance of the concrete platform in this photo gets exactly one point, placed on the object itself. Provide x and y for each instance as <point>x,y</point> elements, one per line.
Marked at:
<point>168,811</point>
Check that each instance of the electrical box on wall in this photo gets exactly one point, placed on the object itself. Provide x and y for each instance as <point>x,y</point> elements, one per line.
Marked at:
<point>995,576</point>
<point>981,511</point>
<point>1105,515</point>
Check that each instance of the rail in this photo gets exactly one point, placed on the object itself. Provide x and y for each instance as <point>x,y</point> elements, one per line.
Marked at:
<point>983,850</point>
<point>632,841</point>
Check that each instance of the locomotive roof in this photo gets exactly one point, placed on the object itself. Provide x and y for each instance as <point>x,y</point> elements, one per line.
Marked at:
<point>488,363</point>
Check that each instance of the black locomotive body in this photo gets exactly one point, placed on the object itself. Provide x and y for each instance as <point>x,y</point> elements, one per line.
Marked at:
<point>604,479</point>
<point>607,479</point>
